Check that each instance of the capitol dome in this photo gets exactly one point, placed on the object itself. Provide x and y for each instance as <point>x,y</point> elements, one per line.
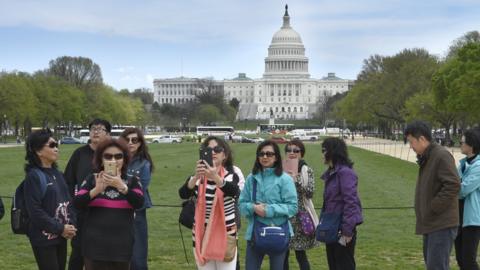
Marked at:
<point>286,53</point>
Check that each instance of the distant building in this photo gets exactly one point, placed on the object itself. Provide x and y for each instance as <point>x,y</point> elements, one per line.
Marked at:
<point>285,89</point>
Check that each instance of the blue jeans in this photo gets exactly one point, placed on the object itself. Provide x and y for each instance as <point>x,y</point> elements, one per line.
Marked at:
<point>254,259</point>
<point>437,247</point>
<point>140,247</point>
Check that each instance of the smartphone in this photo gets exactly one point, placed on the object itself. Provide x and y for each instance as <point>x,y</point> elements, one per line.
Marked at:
<point>206,154</point>
<point>290,166</point>
<point>110,167</point>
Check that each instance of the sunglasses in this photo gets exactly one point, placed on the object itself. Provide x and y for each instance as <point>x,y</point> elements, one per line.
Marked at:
<point>296,151</point>
<point>52,145</point>
<point>133,140</point>
<point>108,156</point>
<point>217,149</point>
<point>324,150</point>
<point>268,154</point>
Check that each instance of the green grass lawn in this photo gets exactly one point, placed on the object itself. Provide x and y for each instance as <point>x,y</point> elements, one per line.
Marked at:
<point>386,239</point>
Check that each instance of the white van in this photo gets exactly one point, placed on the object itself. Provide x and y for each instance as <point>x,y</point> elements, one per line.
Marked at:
<point>85,134</point>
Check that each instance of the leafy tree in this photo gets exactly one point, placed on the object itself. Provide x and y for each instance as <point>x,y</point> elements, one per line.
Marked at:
<point>234,103</point>
<point>209,114</point>
<point>80,72</point>
<point>469,37</point>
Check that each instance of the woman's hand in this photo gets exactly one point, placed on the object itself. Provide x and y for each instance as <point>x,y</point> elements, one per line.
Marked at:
<point>115,182</point>
<point>211,173</point>
<point>69,231</point>
<point>259,209</point>
<point>99,185</point>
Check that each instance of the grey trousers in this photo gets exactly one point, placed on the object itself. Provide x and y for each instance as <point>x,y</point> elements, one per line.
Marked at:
<point>437,247</point>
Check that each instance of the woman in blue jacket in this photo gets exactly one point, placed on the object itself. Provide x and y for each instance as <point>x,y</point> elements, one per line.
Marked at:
<point>47,202</point>
<point>140,166</point>
<point>466,243</point>
<point>276,201</point>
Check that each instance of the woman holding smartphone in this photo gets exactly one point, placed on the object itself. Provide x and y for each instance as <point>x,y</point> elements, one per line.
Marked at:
<point>47,202</point>
<point>341,196</point>
<point>140,166</point>
<point>111,198</point>
<point>275,203</point>
<point>305,186</point>
<point>215,188</point>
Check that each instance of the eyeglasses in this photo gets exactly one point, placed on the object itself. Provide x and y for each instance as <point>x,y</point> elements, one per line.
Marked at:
<point>109,156</point>
<point>217,149</point>
<point>268,154</point>
<point>52,145</point>
<point>296,151</point>
<point>97,129</point>
<point>133,140</point>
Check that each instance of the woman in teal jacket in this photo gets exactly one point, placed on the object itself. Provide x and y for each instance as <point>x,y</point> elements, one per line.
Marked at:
<point>276,201</point>
<point>466,244</point>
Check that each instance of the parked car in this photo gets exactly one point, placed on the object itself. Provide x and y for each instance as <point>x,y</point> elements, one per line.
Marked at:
<point>258,140</point>
<point>167,139</point>
<point>70,140</point>
<point>246,140</point>
<point>279,140</point>
<point>305,137</point>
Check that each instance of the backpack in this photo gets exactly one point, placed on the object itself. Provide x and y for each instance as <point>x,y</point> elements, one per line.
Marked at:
<point>19,216</point>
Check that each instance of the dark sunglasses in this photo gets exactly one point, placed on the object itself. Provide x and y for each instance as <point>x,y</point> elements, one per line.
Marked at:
<point>268,154</point>
<point>133,140</point>
<point>217,149</point>
<point>52,145</point>
<point>296,151</point>
<point>108,156</point>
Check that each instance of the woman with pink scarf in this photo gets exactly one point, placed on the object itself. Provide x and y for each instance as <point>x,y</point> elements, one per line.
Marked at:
<point>215,189</point>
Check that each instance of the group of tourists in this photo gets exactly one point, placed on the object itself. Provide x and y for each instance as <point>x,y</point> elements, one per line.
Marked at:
<point>100,202</point>
<point>275,196</point>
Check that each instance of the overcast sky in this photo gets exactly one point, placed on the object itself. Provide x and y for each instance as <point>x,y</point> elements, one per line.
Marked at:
<point>135,42</point>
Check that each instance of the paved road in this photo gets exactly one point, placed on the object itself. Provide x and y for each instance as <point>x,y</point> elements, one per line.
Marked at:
<point>394,148</point>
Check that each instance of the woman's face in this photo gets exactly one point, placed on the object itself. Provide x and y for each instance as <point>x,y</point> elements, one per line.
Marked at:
<point>133,143</point>
<point>49,152</point>
<point>293,152</point>
<point>113,153</point>
<point>218,153</point>
<point>465,148</point>
<point>324,152</point>
<point>267,157</point>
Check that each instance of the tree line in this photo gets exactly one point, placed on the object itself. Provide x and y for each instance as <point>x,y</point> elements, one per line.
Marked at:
<point>414,84</point>
<point>70,92</point>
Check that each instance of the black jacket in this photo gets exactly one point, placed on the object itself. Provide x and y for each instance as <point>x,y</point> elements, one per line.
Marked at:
<point>49,211</point>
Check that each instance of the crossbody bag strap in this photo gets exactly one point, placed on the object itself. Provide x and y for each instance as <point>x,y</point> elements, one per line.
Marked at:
<point>254,196</point>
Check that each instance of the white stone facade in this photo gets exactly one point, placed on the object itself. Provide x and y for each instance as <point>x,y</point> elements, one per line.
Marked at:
<point>285,89</point>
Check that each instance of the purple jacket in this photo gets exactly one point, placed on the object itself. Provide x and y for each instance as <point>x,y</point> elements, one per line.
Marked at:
<point>341,196</point>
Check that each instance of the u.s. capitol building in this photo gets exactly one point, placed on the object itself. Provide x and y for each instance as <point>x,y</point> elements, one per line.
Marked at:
<point>286,89</point>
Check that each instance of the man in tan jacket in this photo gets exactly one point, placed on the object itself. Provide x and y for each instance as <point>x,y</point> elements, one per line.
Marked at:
<point>436,196</point>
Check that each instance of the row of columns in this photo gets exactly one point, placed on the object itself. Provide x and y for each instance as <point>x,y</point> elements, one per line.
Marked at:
<point>287,65</point>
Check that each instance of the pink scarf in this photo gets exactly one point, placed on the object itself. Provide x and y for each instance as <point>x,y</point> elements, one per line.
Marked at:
<point>210,242</point>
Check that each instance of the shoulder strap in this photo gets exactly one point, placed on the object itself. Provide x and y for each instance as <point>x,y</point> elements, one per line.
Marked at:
<point>43,181</point>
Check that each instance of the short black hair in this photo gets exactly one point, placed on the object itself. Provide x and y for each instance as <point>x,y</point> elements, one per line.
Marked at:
<point>472,138</point>
<point>419,128</point>
<point>103,122</point>
<point>35,142</point>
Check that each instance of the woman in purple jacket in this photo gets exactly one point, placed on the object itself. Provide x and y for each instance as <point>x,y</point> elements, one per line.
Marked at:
<point>341,196</point>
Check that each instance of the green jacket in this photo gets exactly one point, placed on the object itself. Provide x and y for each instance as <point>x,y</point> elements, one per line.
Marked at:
<point>277,192</point>
<point>436,194</point>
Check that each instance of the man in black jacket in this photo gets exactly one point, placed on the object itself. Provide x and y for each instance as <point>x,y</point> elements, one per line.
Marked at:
<point>78,168</point>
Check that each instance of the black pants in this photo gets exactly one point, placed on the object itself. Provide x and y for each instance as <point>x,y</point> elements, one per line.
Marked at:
<point>51,257</point>
<point>76,259</point>
<point>340,257</point>
<point>103,265</point>
<point>466,246</point>
<point>302,260</point>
